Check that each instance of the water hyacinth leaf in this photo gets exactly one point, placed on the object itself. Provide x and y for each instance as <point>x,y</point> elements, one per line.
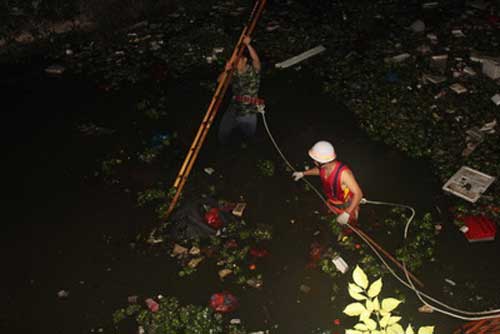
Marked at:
<point>360,277</point>
<point>372,324</point>
<point>395,329</point>
<point>426,330</point>
<point>375,288</point>
<point>394,320</point>
<point>361,327</point>
<point>352,331</point>
<point>409,330</point>
<point>354,309</point>
<point>389,304</point>
<point>376,332</point>
<point>376,304</point>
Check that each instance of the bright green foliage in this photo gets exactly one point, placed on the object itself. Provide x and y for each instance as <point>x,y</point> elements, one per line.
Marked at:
<point>375,315</point>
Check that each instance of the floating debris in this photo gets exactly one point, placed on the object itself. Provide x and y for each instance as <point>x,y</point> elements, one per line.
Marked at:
<point>297,59</point>
<point>209,170</point>
<point>468,184</point>
<point>340,264</point>
<point>458,88</point>
<point>55,69</point>
<point>496,99</point>
<point>62,294</point>
<point>491,69</point>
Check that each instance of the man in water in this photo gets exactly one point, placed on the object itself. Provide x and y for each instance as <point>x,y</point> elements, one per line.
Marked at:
<point>242,112</point>
<point>339,185</point>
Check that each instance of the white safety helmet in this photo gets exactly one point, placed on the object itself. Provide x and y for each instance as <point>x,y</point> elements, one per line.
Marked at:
<point>322,152</point>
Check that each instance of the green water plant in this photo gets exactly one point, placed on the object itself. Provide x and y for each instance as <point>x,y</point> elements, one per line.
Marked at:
<point>171,317</point>
<point>266,167</point>
<point>375,315</point>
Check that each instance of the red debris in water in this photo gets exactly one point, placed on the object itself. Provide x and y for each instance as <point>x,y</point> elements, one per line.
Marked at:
<point>336,322</point>
<point>152,305</point>
<point>258,252</point>
<point>252,267</point>
<point>493,20</point>
<point>223,302</point>
<point>357,246</point>
<point>315,254</point>
<point>212,218</point>
<point>480,228</point>
<point>231,244</point>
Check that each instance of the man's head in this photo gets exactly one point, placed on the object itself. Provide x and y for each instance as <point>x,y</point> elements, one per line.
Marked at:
<point>322,152</point>
<point>241,65</point>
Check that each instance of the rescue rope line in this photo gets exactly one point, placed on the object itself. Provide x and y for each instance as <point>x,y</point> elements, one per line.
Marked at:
<point>452,312</point>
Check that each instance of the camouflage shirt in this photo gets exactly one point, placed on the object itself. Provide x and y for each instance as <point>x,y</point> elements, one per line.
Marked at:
<point>245,84</point>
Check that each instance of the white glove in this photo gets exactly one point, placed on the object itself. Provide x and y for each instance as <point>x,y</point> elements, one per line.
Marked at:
<point>343,218</point>
<point>297,175</point>
<point>260,109</point>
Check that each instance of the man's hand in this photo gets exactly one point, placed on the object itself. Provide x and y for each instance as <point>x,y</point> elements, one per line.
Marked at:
<point>261,109</point>
<point>246,40</point>
<point>297,175</point>
<point>343,218</point>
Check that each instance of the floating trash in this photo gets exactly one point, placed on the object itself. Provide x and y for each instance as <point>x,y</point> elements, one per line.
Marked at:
<point>468,184</point>
<point>297,59</point>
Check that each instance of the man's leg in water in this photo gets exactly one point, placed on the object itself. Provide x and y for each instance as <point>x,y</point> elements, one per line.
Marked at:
<point>248,125</point>
<point>227,125</point>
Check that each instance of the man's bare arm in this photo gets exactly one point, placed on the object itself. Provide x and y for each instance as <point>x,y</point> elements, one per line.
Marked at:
<point>253,54</point>
<point>255,58</point>
<point>350,182</point>
<point>311,171</point>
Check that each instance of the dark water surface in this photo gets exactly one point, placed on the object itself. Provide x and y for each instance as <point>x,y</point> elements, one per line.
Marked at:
<point>65,229</point>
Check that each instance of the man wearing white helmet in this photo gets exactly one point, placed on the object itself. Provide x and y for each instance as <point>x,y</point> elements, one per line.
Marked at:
<point>340,186</point>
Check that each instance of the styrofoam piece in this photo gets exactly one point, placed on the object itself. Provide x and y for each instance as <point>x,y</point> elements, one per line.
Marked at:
<point>469,70</point>
<point>435,79</point>
<point>491,69</point>
<point>479,57</point>
<point>301,57</point>
<point>55,69</point>
<point>458,88</point>
<point>468,183</point>
<point>418,26</point>
<point>397,59</point>
<point>496,99</point>
<point>478,4</point>
<point>340,264</point>
<point>429,5</point>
